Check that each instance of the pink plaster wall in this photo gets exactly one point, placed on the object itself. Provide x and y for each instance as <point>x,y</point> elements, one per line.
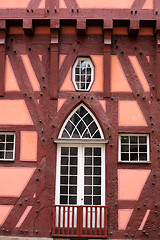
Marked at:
<point>24,215</point>
<point>60,103</point>
<point>10,79</point>
<point>28,146</point>
<point>62,4</point>
<point>67,84</point>
<point>98,68</point>
<point>42,4</point>
<point>30,72</point>
<point>14,3</point>
<point>14,112</point>
<point>119,82</point>
<point>103,105</point>
<point>148,4</point>
<point>123,218</point>
<point>4,212</point>
<point>130,114</point>
<point>144,219</point>
<point>131,183</point>
<point>61,59</point>
<point>139,72</point>
<point>13,180</point>
<point>105,3</point>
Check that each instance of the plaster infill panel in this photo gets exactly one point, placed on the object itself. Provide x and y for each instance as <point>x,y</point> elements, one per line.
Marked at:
<point>105,4</point>
<point>14,3</point>
<point>119,81</point>
<point>14,180</point>
<point>139,72</point>
<point>123,218</point>
<point>10,79</point>
<point>60,104</point>
<point>130,114</point>
<point>148,4</point>
<point>4,212</point>
<point>68,84</point>
<point>30,72</point>
<point>28,146</point>
<point>14,112</point>
<point>131,183</point>
<point>97,85</point>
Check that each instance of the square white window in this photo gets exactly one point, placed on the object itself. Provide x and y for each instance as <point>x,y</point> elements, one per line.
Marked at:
<point>83,74</point>
<point>134,148</point>
<point>7,146</point>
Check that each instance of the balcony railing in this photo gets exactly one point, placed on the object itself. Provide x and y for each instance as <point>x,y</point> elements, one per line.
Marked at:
<point>79,221</point>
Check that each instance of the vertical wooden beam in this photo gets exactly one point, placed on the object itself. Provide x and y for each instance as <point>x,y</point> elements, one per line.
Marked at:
<point>107,25</point>
<point>158,59</point>
<point>28,26</point>
<point>81,26</point>
<point>2,55</point>
<point>134,28</point>
<point>54,63</point>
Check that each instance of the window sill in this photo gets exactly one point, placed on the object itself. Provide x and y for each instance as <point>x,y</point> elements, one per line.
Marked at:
<point>137,162</point>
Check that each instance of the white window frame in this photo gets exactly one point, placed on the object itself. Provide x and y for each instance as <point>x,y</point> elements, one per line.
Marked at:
<point>80,174</point>
<point>66,121</point>
<point>74,73</point>
<point>9,133</point>
<point>137,161</point>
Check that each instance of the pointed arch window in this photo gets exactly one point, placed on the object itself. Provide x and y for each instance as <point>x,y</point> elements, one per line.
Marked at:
<point>81,124</point>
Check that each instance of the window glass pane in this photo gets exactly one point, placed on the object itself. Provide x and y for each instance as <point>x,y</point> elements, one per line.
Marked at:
<point>64,160</point>
<point>63,189</point>
<point>64,169</point>
<point>73,180</point>
<point>9,155</point>
<point>134,156</point>
<point>87,190</point>
<point>75,119</point>
<point>142,139</point>
<point>88,119</point>
<point>97,200</point>
<point>87,200</point>
<point>143,156</point>
<point>73,161</point>
<point>88,170</point>
<point>86,134</point>
<point>97,161</point>
<point>64,150</point>
<point>88,151</point>
<point>88,161</point>
<point>74,151</point>
<point>97,180</point>
<point>124,156</point>
<point>97,135</point>
<point>81,111</point>
<point>88,180</point>
<point>97,190</point>
<point>124,139</point>
<point>73,170</point>
<point>64,180</point>
<point>143,148</point>
<point>133,139</point>
<point>134,148</point>
<point>63,200</point>
<point>81,127</point>
<point>93,128</point>
<point>65,134</point>
<point>124,148</point>
<point>9,146</point>
<point>1,155</point>
<point>97,151</point>
<point>97,171</point>
<point>72,200</point>
<point>69,127</point>
<point>2,146</point>
<point>73,190</point>
<point>10,138</point>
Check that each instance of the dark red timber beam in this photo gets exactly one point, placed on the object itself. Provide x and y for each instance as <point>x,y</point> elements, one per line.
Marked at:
<point>107,26</point>
<point>2,55</point>
<point>54,63</point>
<point>134,27</point>
<point>28,26</point>
<point>158,59</point>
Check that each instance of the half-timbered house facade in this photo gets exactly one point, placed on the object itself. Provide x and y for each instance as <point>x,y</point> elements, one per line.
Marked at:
<point>79,119</point>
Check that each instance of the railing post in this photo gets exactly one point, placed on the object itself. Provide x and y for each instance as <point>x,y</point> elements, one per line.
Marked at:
<point>54,220</point>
